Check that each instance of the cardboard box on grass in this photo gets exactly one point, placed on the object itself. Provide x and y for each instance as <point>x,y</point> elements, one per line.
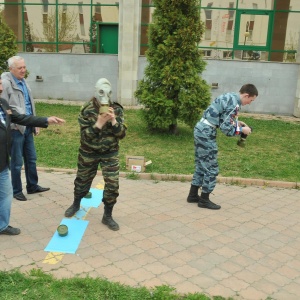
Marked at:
<point>136,163</point>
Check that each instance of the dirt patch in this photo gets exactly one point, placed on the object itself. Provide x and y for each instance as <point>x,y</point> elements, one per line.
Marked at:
<point>290,119</point>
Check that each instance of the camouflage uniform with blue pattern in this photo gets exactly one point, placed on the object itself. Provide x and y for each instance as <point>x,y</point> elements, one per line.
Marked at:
<point>99,147</point>
<point>220,114</point>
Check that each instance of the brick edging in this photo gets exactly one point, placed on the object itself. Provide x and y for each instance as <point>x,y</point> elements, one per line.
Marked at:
<point>184,178</point>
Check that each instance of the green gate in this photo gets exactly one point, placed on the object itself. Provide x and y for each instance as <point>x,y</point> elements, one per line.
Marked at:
<point>108,36</point>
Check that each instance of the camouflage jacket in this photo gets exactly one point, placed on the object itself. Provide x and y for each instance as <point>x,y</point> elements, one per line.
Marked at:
<point>223,112</point>
<point>105,140</point>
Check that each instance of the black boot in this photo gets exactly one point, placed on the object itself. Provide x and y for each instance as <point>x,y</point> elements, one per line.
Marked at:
<point>70,212</point>
<point>107,218</point>
<point>206,203</point>
<point>193,196</point>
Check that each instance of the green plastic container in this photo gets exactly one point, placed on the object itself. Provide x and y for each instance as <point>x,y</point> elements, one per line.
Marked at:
<point>88,195</point>
<point>62,230</point>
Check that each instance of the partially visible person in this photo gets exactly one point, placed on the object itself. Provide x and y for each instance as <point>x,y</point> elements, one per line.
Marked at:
<point>221,113</point>
<point>18,94</point>
<point>8,115</point>
<point>101,126</point>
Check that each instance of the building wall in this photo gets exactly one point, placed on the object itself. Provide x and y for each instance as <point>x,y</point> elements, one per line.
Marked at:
<point>73,77</point>
<point>219,34</point>
<point>77,16</point>
<point>69,76</point>
<point>276,82</point>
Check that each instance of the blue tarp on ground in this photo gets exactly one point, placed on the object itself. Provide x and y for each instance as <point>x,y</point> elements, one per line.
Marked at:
<point>69,243</point>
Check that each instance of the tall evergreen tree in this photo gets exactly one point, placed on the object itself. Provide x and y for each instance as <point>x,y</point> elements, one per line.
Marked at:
<point>172,88</point>
<point>8,44</point>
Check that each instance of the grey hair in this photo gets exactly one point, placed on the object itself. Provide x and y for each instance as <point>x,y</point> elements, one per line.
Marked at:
<point>11,61</point>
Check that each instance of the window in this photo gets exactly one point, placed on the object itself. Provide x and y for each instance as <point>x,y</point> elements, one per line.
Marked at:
<point>207,53</point>
<point>208,21</point>
<point>81,18</point>
<point>229,28</point>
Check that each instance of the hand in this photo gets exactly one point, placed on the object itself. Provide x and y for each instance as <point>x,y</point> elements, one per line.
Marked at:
<point>246,130</point>
<point>55,121</point>
<point>242,124</point>
<point>113,116</point>
<point>37,131</point>
<point>106,117</point>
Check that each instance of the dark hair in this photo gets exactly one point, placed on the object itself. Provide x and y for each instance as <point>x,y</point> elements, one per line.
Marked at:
<point>249,89</point>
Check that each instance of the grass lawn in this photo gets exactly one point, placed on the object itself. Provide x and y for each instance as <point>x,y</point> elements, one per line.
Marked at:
<point>272,151</point>
<point>37,285</point>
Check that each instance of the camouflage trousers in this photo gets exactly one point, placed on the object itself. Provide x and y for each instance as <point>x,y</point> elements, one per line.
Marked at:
<point>206,163</point>
<point>87,169</point>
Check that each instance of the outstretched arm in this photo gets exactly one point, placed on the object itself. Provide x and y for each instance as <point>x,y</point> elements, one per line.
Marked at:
<point>55,120</point>
<point>34,121</point>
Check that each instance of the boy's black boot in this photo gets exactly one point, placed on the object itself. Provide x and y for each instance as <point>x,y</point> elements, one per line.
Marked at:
<point>107,218</point>
<point>193,196</point>
<point>71,211</point>
<point>204,202</point>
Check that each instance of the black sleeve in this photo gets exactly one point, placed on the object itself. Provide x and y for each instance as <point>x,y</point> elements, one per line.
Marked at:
<point>33,121</point>
<point>28,120</point>
<point>22,119</point>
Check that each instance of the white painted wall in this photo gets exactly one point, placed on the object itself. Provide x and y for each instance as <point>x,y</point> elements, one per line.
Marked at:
<point>73,77</point>
<point>276,82</point>
<point>69,76</point>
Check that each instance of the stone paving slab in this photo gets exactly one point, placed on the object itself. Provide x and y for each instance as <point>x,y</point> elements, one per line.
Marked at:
<point>247,250</point>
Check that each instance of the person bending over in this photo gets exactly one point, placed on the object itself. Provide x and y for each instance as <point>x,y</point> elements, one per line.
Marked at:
<point>221,113</point>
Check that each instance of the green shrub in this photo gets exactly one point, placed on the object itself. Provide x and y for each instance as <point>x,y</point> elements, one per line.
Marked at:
<point>8,45</point>
<point>172,89</point>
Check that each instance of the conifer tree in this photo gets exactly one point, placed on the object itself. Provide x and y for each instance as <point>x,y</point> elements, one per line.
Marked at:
<point>8,44</point>
<point>172,88</point>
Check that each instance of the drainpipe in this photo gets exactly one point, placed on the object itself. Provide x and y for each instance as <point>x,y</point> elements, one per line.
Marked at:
<point>297,98</point>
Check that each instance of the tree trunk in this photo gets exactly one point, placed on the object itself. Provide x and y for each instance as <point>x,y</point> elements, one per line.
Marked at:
<point>173,129</point>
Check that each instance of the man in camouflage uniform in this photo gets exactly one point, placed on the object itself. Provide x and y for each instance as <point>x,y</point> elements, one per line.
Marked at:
<point>101,127</point>
<point>222,113</point>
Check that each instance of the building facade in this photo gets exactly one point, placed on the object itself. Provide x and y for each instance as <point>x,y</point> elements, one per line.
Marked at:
<point>236,30</point>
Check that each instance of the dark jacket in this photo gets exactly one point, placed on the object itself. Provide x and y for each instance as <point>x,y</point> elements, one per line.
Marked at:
<point>5,131</point>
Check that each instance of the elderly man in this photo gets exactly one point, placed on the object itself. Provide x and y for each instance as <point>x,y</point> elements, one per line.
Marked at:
<point>7,114</point>
<point>18,94</point>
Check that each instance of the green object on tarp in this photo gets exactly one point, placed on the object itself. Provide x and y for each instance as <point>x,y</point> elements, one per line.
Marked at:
<point>62,230</point>
<point>88,195</point>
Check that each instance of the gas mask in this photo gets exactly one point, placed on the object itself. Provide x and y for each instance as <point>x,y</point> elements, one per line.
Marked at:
<point>103,94</point>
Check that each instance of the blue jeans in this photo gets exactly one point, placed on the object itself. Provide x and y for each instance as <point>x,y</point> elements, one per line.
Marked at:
<point>22,147</point>
<point>6,196</point>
